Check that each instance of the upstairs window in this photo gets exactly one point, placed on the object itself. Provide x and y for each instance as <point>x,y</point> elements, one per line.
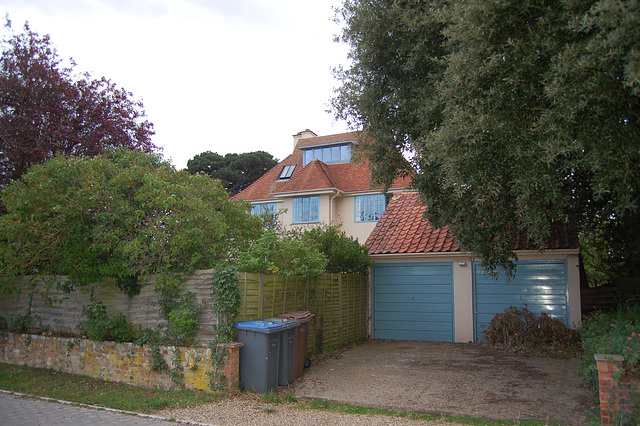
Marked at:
<point>369,208</point>
<point>306,209</point>
<point>286,172</point>
<point>262,208</point>
<point>335,154</point>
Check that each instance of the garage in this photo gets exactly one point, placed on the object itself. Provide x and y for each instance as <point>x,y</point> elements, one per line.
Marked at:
<point>541,286</point>
<point>413,301</point>
<point>424,287</point>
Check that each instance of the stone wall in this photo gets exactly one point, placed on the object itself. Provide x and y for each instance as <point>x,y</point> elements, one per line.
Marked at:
<point>619,393</point>
<point>118,362</point>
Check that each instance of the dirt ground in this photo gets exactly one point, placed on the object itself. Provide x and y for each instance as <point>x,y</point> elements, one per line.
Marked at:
<point>454,379</point>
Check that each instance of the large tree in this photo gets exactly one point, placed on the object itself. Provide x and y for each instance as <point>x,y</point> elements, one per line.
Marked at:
<point>515,115</point>
<point>46,108</point>
<point>235,171</point>
<point>122,214</point>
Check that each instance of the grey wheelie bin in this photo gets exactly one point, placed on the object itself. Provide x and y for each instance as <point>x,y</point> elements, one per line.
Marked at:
<point>302,337</point>
<point>259,355</point>
<point>286,359</point>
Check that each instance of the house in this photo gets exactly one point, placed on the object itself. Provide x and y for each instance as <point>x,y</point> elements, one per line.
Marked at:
<point>321,183</point>
<point>425,288</point>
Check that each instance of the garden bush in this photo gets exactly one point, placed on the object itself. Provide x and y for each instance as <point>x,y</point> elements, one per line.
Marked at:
<point>25,323</point>
<point>99,326</point>
<point>521,330</point>
<point>616,333</point>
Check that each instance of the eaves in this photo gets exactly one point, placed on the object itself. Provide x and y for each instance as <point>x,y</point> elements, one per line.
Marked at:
<point>306,192</point>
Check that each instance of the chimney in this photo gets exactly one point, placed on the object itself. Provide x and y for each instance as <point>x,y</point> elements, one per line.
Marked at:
<point>305,134</point>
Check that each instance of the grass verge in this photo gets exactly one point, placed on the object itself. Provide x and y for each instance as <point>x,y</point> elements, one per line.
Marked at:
<point>354,409</point>
<point>86,390</point>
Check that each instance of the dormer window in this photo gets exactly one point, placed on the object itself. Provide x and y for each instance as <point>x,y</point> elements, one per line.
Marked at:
<point>286,172</point>
<point>334,154</point>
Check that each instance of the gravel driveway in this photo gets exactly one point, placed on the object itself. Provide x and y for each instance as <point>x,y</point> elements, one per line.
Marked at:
<point>455,379</point>
<point>450,379</point>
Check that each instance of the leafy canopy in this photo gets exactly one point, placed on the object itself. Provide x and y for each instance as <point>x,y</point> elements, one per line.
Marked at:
<point>344,254</point>
<point>235,171</point>
<point>515,114</point>
<point>308,252</point>
<point>121,214</point>
<point>46,107</point>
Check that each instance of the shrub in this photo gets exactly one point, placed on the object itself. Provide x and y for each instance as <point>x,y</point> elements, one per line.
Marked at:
<point>521,330</point>
<point>616,333</point>
<point>344,254</point>
<point>306,252</point>
<point>24,323</point>
<point>183,325</point>
<point>285,254</point>
<point>99,326</point>
<point>179,309</point>
<point>123,215</point>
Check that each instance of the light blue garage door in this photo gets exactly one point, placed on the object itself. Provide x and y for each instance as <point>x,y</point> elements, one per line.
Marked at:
<point>413,301</point>
<point>541,286</point>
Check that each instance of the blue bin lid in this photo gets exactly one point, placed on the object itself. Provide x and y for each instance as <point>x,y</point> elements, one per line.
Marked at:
<point>259,325</point>
<point>286,322</point>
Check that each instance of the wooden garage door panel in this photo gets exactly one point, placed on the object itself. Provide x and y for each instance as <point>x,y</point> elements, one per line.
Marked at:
<point>415,269</point>
<point>413,302</point>
<point>540,273</point>
<point>426,299</point>
<point>424,335</point>
<point>549,289</point>
<point>384,310</point>
<point>413,289</point>
<point>416,320</point>
<point>541,286</point>
<point>502,298</point>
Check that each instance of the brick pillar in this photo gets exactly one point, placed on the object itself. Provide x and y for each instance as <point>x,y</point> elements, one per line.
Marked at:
<point>232,366</point>
<point>609,392</point>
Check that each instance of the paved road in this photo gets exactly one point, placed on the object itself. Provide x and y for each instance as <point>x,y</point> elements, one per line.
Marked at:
<point>20,411</point>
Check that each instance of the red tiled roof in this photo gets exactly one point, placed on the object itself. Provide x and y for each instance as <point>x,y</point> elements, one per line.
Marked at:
<point>347,177</point>
<point>404,229</point>
<point>313,176</point>
<point>323,140</point>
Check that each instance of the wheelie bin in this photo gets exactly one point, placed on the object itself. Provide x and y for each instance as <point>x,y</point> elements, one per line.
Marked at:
<point>287,356</point>
<point>302,338</point>
<point>259,354</point>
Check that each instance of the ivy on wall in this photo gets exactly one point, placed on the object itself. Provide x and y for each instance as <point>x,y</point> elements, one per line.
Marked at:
<point>226,301</point>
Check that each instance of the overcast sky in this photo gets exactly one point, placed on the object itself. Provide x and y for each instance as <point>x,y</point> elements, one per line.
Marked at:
<point>214,75</point>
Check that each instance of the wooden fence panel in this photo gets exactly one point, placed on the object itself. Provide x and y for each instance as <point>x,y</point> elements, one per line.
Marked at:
<point>339,302</point>
<point>141,310</point>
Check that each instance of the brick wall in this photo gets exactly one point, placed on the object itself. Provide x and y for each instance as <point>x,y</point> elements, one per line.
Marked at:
<point>118,362</point>
<point>618,393</point>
